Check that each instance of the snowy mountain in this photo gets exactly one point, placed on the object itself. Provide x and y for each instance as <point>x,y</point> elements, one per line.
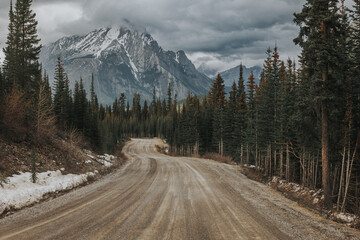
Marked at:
<point>124,59</point>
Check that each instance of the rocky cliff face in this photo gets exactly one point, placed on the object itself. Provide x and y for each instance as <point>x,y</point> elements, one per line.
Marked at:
<point>124,60</point>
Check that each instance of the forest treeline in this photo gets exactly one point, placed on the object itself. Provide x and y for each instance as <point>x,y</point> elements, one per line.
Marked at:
<point>301,123</point>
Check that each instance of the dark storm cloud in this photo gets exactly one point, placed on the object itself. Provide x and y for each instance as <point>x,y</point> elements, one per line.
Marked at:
<point>225,31</point>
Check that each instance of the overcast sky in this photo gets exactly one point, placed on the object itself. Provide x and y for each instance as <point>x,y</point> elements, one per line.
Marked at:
<point>219,33</point>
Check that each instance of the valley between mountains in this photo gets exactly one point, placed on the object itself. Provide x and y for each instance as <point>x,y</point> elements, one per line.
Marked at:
<point>161,197</point>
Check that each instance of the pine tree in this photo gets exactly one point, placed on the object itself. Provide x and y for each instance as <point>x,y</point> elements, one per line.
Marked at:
<point>59,95</point>
<point>153,106</point>
<point>241,114</point>
<point>169,99</point>
<point>164,108</point>
<point>231,133</point>
<point>82,111</point>
<point>10,51</point>
<point>216,90</point>
<point>355,59</point>
<point>217,100</point>
<point>21,55</point>
<point>122,110</point>
<point>320,32</point>
<point>47,88</point>
<point>2,86</point>
<point>268,102</point>
<point>136,107</point>
<point>77,106</point>
<point>93,97</point>
<point>68,102</point>
<point>145,111</point>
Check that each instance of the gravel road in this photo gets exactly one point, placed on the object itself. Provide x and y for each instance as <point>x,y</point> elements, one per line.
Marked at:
<point>160,197</point>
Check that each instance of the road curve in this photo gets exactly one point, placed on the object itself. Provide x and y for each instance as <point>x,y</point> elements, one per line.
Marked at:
<point>160,197</point>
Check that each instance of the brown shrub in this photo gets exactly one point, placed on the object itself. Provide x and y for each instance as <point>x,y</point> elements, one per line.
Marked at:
<point>217,157</point>
<point>14,119</point>
<point>45,120</point>
<point>74,136</point>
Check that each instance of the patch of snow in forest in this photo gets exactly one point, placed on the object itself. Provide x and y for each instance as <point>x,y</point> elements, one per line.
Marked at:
<point>106,159</point>
<point>345,217</point>
<point>20,191</point>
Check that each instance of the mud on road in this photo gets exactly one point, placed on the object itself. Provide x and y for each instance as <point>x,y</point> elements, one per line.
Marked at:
<point>160,197</point>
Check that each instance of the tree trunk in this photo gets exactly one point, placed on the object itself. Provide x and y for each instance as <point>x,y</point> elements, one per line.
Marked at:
<point>334,177</point>
<point>341,181</point>
<point>281,163</point>
<point>247,154</point>
<point>287,163</point>
<point>275,167</point>
<point>316,170</point>
<point>256,155</point>
<point>325,154</point>
<point>325,134</point>
<point>242,154</point>
<point>348,175</point>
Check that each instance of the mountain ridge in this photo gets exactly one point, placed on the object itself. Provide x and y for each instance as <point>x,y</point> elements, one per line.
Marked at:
<point>124,60</point>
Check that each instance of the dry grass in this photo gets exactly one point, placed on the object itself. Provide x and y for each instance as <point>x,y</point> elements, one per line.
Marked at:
<point>217,157</point>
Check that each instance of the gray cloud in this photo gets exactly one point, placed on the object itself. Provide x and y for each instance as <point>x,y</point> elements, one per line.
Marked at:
<point>219,33</point>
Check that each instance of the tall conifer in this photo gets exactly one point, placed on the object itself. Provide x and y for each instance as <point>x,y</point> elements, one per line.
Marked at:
<point>320,32</point>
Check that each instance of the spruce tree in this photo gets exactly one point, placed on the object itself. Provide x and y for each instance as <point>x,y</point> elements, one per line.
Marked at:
<point>22,52</point>
<point>136,107</point>
<point>2,85</point>
<point>169,99</point>
<point>10,51</point>
<point>216,90</point>
<point>59,93</point>
<point>355,59</point>
<point>320,32</point>
<point>153,106</point>
<point>77,106</point>
<point>231,132</point>
<point>47,88</point>
<point>241,114</point>
<point>217,100</point>
<point>251,134</point>
<point>93,97</point>
<point>122,110</point>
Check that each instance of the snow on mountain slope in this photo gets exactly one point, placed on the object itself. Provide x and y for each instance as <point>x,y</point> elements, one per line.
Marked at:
<point>124,60</point>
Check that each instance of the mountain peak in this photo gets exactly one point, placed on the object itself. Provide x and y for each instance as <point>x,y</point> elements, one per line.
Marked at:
<point>125,60</point>
<point>102,40</point>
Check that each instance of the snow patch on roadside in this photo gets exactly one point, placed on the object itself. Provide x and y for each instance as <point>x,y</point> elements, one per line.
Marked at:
<point>106,160</point>
<point>20,192</point>
<point>347,218</point>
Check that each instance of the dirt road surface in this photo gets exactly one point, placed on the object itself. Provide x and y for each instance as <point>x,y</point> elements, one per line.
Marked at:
<point>160,197</point>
